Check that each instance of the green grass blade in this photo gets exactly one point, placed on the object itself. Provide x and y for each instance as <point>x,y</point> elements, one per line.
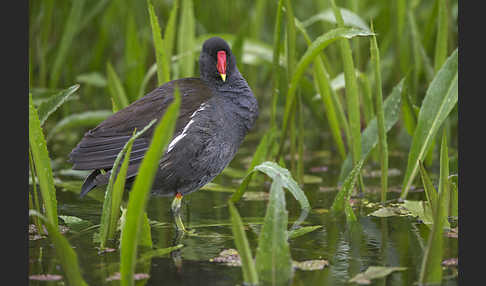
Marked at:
<point>70,28</point>
<point>186,39</point>
<point>248,265</point>
<point>430,192</point>
<point>312,51</point>
<point>64,251</point>
<point>115,87</point>
<point>84,119</point>
<point>321,81</point>
<point>169,36</point>
<point>344,194</point>
<point>141,187</point>
<point>439,100</point>
<point>163,73</point>
<point>454,207</point>
<point>150,73</point>
<point>444,174</point>
<point>46,108</point>
<point>134,58</point>
<point>431,269</point>
<point>380,116</point>
<point>273,261</point>
<point>114,190</point>
<point>42,164</point>
<point>442,31</point>
<point>391,109</point>
<point>352,95</point>
<point>276,64</point>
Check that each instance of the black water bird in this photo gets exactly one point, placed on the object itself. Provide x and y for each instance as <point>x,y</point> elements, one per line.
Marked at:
<point>217,110</point>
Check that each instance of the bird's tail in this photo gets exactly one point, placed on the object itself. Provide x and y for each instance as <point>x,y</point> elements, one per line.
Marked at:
<point>89,183</point>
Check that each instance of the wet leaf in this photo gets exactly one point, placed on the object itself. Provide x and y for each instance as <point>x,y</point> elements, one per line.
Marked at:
<point>45,277</point>
<point>136,276</point>
<point>384,212</point>
<point>374,272</point>
<point>310,265</point>
<point>229,257</point>
<point>451,262</point>
<point>420,209</point>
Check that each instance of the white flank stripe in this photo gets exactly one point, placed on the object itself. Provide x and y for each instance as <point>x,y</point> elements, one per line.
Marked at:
<point>186,128</point>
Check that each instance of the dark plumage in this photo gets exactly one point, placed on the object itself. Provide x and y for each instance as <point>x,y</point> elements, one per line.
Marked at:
<point>215,115</point>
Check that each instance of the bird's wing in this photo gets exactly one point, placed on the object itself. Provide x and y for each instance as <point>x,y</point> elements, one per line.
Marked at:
<point>100,146</point>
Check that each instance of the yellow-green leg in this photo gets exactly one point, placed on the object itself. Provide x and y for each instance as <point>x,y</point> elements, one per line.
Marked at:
<point>176,211</point>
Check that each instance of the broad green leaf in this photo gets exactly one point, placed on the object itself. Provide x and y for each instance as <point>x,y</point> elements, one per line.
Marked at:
<point>42,164</point>
<point>283,175</point>
<point>374,272</point>
<point>241,241</point>
<point>273,261</point>
<point>64,251</point>
<point>350,19</point>
<point>85,119</point>
<point>141,188</point>
<point>391,108</point>
<point>47,107</point>
<point>440,98</point>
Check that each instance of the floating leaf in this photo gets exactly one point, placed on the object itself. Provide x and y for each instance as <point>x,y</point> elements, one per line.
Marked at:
<point>310,265</point>
<point>374,272</point>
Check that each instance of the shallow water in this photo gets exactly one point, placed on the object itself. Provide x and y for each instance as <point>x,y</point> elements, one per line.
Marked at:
<point>349,249</point>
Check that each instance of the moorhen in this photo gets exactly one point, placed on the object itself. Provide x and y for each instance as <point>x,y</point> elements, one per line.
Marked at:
<point>217,110</point>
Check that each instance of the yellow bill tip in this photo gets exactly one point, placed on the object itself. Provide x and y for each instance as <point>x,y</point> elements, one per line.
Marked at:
<point>223,76</point>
